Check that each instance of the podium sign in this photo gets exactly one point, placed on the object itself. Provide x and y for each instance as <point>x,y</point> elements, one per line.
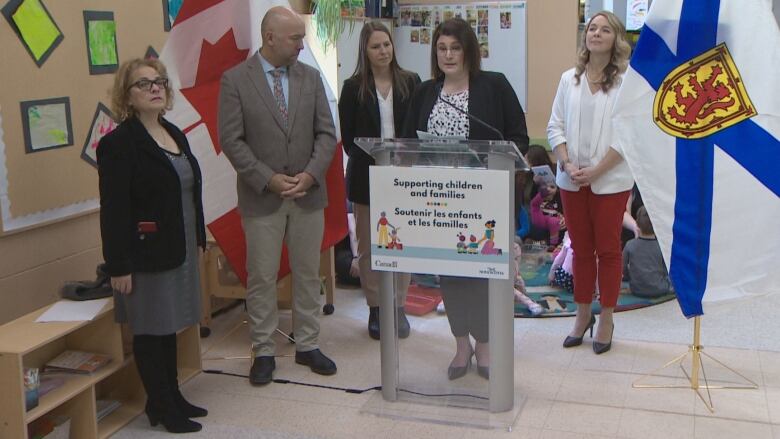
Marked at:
<point>441,221</point>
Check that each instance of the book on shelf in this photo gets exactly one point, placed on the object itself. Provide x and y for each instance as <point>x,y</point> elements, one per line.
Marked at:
<point>105,407</point>
<point>77,362</point>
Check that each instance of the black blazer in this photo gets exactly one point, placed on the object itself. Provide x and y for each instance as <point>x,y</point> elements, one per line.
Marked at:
<point>491,99</point>
<point>362,120</point>
<point>138,184</point>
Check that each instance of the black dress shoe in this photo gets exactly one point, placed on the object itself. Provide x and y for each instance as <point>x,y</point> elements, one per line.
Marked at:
<point>262,370</point>
<point>317,362</point>
<point>600,348</point>
<point>373,322</point>
<point>455,372</point>
<point>403,324</point>
<point>570,341</point>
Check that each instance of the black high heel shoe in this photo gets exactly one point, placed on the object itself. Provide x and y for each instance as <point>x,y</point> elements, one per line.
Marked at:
<point>600,348</point>
<point>570,341</point>
<point>455,372</point>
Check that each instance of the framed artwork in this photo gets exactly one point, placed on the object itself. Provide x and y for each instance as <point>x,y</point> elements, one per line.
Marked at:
<point>100,29</point>
<point>46,124</point>
<point>170,11</point>
<point>102,124</point>
<point>34,26</point>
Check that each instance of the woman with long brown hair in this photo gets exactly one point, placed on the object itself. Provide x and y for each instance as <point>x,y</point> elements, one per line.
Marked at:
<point>594,179</point>
<point>373,103</point>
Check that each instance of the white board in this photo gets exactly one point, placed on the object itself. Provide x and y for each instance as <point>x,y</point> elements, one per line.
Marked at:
<point>506,41</point>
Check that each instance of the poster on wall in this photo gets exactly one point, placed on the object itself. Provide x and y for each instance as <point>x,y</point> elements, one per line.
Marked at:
<point>636,11</point>
<point>102,124</point>
<point>46,124</point>
<point>100,29</point>
<point>34,26</point>
<point>440,221</point>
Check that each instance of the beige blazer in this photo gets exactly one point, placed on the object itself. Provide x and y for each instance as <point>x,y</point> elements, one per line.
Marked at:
<point>253,136</point>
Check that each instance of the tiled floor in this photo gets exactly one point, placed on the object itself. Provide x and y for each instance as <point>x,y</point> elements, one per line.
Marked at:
<point>569,393</point>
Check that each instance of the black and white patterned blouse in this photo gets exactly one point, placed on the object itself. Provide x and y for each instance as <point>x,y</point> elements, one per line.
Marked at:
<point>447,121</point>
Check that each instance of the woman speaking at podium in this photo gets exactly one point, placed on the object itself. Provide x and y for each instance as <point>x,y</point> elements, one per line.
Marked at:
<point>463,100</point>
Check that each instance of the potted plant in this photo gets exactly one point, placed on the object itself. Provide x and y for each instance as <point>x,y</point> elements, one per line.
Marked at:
<point>328,18</point>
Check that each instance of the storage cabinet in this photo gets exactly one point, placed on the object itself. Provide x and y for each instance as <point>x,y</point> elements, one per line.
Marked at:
<point>26,344</point>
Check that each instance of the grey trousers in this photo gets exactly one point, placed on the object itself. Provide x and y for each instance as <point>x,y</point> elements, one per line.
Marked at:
<point>302,231</point>
<point>369,279</point>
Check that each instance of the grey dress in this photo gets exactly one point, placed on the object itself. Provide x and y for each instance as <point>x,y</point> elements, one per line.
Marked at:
<point>165,302</point>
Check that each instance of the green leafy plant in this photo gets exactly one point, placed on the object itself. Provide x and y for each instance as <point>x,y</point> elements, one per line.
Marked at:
<point>328,19</point>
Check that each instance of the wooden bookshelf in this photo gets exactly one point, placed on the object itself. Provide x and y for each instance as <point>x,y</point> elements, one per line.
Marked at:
<point>25,344</point>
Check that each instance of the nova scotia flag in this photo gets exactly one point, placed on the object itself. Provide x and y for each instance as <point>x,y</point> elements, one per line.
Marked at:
<point>698,121</point>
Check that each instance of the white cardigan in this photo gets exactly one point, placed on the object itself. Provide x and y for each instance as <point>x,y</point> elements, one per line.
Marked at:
<point>564,127</point>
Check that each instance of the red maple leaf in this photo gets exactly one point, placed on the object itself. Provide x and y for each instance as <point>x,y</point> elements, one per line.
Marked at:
<point>204,94</point>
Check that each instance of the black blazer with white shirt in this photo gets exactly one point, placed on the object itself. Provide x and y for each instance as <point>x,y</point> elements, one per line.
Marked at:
<point>363,120</point>
<point>138,184</point>
<point>491,99</point>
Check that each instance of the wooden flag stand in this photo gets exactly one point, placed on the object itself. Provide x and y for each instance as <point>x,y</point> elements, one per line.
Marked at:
<point>696,351</point>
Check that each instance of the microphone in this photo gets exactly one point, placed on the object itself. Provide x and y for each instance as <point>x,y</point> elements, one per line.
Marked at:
<point>493,129</point>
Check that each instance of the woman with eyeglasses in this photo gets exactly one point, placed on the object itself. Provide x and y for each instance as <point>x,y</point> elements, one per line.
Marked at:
<point>151,224</point>
<point>440,107</point>
<point>373,103</point>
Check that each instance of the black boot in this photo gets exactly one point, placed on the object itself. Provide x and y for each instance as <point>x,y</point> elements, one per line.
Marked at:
<point>172,373</point>
<point>373,322</point>
<point>403,324</point>
<point>160,407</point>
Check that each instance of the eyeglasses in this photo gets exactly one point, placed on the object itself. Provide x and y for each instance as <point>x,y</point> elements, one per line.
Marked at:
<point>146,84</point>
<point>453,50</point>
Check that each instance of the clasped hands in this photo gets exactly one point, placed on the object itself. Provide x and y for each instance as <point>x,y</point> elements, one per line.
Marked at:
<point>290,187</point>
<point>581,176</point>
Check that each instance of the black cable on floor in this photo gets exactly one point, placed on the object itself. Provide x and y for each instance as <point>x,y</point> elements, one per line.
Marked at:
<point>439,395</point>
<point>344,389</point>
<point>283,381</point>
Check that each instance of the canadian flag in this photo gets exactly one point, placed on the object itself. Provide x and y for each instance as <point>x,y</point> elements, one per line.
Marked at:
<point>207,38</point>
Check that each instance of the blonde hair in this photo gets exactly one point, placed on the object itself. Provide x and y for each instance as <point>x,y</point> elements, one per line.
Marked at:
<point>120,93</point>
<point>621,51</point>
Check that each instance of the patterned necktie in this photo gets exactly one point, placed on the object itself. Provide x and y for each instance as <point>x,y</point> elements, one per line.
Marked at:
<point>279,94</point>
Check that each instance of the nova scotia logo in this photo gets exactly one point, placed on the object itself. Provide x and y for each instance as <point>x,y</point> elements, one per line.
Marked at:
<point>491,271</point>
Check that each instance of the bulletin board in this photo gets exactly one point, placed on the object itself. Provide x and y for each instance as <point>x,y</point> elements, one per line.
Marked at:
<point>500,29</point>
<point>58,62</point>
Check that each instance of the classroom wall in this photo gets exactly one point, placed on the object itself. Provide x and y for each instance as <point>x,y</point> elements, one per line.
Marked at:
<point>552,45</point>
<point>35,262</point>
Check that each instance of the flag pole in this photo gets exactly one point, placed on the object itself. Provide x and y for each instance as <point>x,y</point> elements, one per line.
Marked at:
<point>696,351</point>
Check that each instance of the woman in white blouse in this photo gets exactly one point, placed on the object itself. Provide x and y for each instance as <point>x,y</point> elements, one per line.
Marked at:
<point>594,179</point>
<point>373,103</point>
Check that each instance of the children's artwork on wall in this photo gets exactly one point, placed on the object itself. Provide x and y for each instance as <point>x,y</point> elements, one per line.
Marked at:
<point>34,26</point>
<point>151,53</point>
<point>170,11</point>
<point>102,124</point>
<point>46,124</point>
<point>100,30</point>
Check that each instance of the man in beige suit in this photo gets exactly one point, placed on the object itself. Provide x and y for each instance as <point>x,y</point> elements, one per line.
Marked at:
<point>276,129</point>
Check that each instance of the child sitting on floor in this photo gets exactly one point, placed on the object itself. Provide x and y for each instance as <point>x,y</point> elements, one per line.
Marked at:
<point>520,291</point>
<point>643,263</point>
<point>561,272</point>
<point>547,212</point>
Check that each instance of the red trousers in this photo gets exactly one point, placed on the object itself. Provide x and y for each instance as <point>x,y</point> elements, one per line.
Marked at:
<point>594,223</point>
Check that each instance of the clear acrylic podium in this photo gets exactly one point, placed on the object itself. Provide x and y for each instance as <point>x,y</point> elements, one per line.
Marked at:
<point>464,401</point>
